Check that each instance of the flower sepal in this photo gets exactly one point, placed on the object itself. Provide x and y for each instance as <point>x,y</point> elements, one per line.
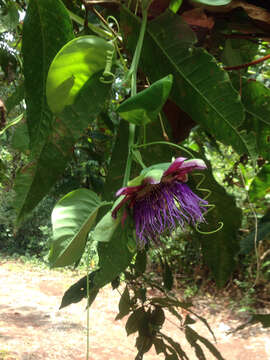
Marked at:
<point>151,176</point>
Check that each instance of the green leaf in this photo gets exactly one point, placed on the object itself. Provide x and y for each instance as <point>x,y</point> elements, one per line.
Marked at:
<point>72,219</point>
<point>175,5</point>
<point>141,261</point>
<point>105,228</point>
<point>20,138</point>
<point>78,291</point>
<point>114,255</point>
<point>231,56</point>
<point>35,180</point>
<point>213,2</point>
<point>117,165</point>
<point>201,88</point>
<point>219,248</point>
<point>159,346</point>
<point>39,48</point>
<point>264,319</point>
<point>192,337</point>
<point>115,283</point>
<point>260,185</point>
<point>134,321</point>
<point>256,97</point>
<point>167,276</point>
<point>171,357</point>
<point>15,98</point>
<point>143,344</point>
<point>9,17</point>
<point>157,316</point>
<point>124,304</point>
<point>210,347</point>
<point>238,51</point>
<point>145,106</point>
<point>176,348</point>
<point>74,64</point>
<point>189,321</point>
<point>263,232</point>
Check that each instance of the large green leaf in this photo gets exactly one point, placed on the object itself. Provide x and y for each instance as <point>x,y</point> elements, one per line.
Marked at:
<point>47,27</point>
<point>74,64</point>
<point>20,137</point>
<point>260,185</point>
<point>35,180</point>
<point>201,88</point>
<point>72,219</point>
<point>115,254</point>
<point>145,106</point>
<point>219,248</point>
<point>114,179</point>
<point>256,98</point>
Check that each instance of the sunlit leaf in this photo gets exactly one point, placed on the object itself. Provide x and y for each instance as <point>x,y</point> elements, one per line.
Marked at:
<point>72,219</point>
<point>145,106</point>
<point>175,5</point>
<point>74,64</point>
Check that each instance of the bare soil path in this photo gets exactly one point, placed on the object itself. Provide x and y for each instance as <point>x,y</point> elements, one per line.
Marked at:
<point>32,327</point>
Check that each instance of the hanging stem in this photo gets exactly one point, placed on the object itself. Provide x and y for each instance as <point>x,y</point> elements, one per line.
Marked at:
<point>167,143</point>
<point>88,310</point>
<point>133,74</point>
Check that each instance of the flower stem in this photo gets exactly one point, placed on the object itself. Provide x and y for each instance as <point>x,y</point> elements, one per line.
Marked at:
<point>168,143</point>
<point>133,74</point>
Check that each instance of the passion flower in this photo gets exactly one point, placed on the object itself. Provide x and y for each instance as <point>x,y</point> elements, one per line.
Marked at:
<point>160,200</point>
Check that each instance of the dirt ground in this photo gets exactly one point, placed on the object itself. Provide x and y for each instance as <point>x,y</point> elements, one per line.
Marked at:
<point>32,327</point>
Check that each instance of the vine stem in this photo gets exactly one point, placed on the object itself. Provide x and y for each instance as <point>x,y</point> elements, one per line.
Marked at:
<point>179,147</point>
<point>243,66</point>
<point>254,214</point>
<point>88,307</point>
<point>133,74</point>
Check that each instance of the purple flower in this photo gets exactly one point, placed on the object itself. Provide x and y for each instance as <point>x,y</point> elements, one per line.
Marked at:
<point>160,199</point>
